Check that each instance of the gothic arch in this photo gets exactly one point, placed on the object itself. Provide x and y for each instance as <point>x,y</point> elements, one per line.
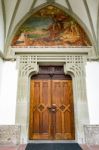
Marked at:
<point>72,14</point>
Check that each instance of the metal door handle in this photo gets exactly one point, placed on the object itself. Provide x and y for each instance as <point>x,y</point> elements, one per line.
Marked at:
<point>52,108</point>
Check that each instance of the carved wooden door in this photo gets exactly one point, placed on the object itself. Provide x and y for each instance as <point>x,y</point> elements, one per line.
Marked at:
<point>51,107</point>
<point>40,118</point>
<point>62,98</point>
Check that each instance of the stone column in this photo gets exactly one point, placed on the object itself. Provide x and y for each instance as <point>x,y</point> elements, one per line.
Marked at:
<point>22,104</point>
<point>80,99</point>
<point>81,110</point>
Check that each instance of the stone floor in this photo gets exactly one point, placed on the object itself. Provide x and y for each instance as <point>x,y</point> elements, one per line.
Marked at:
<point>90,147</point>
<point>22,147</point>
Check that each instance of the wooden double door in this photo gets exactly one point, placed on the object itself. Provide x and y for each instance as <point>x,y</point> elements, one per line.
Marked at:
<point>51,108</point>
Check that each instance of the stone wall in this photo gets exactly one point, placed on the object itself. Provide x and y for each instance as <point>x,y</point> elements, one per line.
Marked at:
<point>91,134</point>
<point>9,134</point>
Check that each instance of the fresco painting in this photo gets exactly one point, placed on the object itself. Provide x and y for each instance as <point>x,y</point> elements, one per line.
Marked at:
<point>50,26</point>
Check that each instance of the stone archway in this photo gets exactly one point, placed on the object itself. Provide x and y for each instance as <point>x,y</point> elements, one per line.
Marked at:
<point>74,65</point>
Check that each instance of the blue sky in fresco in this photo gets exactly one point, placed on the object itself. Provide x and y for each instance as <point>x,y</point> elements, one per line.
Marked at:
<point>38,22</point>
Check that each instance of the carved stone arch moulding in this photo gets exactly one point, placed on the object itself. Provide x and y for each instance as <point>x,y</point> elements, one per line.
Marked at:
<point>75,65</point>
<point>75,70</point>
<point>26,66</point>
<point>27,69</point>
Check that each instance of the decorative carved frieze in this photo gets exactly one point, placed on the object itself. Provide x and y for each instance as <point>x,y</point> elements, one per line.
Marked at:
<point>28,63</point>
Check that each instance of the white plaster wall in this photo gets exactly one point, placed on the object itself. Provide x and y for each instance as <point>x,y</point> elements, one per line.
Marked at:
<point>1,29</point>
<point>8,92</point>
<point>92,80</point>
<point>1,67</point>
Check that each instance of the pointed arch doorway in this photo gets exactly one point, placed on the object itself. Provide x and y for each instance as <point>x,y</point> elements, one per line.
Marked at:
<point>51,105</point>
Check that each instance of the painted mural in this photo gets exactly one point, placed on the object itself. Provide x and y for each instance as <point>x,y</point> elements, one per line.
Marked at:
<point>50,26</point>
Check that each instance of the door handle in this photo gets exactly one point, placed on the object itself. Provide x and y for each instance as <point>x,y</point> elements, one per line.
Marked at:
<point>52,108</point>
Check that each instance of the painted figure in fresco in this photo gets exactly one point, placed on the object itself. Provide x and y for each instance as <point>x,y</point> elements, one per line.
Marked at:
<point>57,26</point>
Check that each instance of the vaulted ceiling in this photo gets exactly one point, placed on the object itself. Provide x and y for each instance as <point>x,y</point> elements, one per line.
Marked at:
<point>13,11</point>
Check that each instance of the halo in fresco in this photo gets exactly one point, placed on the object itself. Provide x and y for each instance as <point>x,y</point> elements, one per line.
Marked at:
<point>50,26</point>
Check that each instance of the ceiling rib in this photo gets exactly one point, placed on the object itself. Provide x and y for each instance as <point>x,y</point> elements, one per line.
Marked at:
<point>4,17</point>
<point>68,4</point>
<point>90,20</point>
<point>13,17</point>
<point>1,55</point>
<point>33,4</point>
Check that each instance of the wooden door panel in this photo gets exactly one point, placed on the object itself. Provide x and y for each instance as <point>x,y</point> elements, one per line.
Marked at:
<point>62,97</point>
<point>39,114</point>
